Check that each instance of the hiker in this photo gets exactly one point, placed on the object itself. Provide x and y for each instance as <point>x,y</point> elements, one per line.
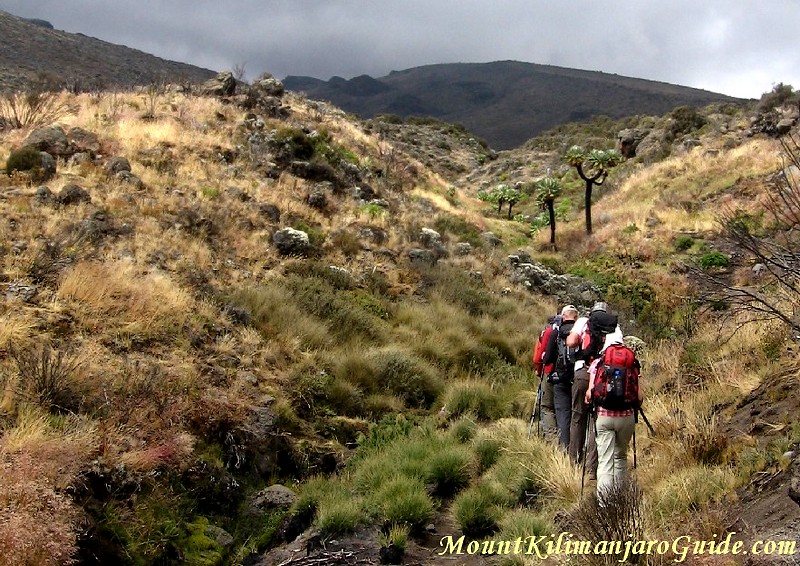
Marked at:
<point>547,412</point>
<point>581,422</point>
<point>560,357</point>
<point>616,404</point>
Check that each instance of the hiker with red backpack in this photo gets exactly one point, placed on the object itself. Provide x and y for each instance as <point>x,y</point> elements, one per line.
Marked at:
<point>560,358</point>
<point>544,407</point>
<point>615,393</point>
<point>587,337</point>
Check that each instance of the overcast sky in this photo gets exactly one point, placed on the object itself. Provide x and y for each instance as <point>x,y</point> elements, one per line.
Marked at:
<point>735,47</point>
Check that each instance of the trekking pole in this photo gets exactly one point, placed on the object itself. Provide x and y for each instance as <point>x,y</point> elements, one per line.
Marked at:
<point>635,421</point>
<point>639,411</point>
<point>585,444</point>
<point>537,407</point>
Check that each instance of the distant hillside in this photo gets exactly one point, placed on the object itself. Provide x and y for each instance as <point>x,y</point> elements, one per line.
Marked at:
<point>505,102</point>
<point>30,50</point>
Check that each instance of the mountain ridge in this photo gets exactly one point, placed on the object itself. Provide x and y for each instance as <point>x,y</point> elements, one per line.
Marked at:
<point>487,97</point>
<point>32,52</point>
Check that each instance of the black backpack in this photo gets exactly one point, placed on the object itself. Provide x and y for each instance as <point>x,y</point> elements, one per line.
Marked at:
<point>564,366</point>
<point>599,325</point>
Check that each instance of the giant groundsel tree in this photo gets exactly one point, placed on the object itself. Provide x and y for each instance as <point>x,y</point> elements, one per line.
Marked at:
<point>547,191</point>
<point>593,167</point>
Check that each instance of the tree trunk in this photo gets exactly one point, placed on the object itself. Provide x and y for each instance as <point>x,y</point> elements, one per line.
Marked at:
<point>551,211</point>
<point>588,205</point>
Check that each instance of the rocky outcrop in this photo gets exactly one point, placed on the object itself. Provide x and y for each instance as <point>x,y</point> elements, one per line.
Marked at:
<point>222,85</point>
<point>536,277</point>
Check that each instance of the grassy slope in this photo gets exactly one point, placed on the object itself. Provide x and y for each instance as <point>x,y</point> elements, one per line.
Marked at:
<point>181,324</point>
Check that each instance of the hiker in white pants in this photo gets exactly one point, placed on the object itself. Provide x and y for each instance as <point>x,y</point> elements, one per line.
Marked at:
<point>614,433</point>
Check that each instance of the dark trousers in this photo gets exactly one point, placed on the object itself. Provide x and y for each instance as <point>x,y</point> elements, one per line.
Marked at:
<point>562,398</point>
<point>581,413</point>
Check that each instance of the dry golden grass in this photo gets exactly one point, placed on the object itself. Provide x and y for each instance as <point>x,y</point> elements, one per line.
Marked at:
<point>684,192</point>
<point>545,463</point>
<point>17,324</point>
<point>117,297</point>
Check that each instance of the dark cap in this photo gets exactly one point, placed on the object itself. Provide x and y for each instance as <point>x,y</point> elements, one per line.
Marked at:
<point>600,306</point>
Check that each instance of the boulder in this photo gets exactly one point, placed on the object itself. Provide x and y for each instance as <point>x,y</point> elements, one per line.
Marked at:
<point>269,85</point>
<point>422,257</point>
<point>628,140</point>
<point>116,165</point>
<point>491,239</point>
<point>463,248</point>
<point>784,126</point>
<point>83,141</point>
<point>289,241</point>
<point>21,292</point>
<point>72,194</point>
<point>48,166</point>
<point>51,139</point>
<point>222,85</point>
<point>274,497</point>
<point>44,195</point>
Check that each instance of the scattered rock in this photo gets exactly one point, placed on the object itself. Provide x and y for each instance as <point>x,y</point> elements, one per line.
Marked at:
<point>289,241</point>
<point>421,257</point>
<point>83,141</point>
<point>272,212</point>
<point>44,195</point>
<point>491,239</point>
<point>273,497</point>
<point>18,291</point>
<point>73,194</point>
<point>568,288</point>
<point>116,165</point>
<point>463,248</point>
<point>51,139</point>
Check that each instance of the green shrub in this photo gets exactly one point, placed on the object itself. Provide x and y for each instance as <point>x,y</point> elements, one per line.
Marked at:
<point>450,469</point>
<point>477,510</point>
<point>517,484</point>
<point>397,536</point>
<point>464,429</point>
<point>475,397</point>
<point>463,230</point>
<point>714,260</point>
<point>292,143</point>
<point>686,119</point>
<point>339,512</point>
<point>389,429</point>
<point>336,278</point>
<point>340,311</point>
<point>403,501</point>
<point>521,523</point>
<point>406,376</point>
<point>683,242</point>
<point>691,489</point>
<point>24,159</point>
<point>488,452</point>
<point>308,391</point>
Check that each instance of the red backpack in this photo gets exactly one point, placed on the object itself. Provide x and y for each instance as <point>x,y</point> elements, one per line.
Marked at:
<point>541,346</point>
<point>616,383</point>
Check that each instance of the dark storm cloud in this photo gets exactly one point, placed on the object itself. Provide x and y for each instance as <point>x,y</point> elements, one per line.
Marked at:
<point>732,46</point>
